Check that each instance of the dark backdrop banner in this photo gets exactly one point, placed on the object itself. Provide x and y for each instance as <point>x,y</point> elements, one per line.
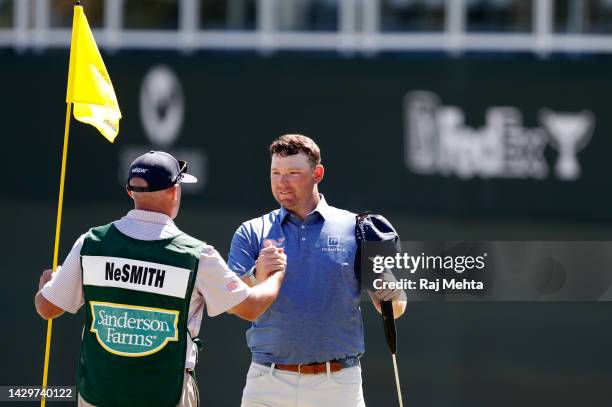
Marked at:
<point>457,149</point>
<point>474,136</point>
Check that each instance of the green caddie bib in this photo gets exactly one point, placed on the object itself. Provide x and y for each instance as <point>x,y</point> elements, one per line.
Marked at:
<point>137,296</point>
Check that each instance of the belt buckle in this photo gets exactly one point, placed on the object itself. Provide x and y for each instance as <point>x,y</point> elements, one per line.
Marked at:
<point>300,368</point>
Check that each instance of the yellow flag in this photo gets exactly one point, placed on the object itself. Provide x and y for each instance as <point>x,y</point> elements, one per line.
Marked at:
<point>89,86</point>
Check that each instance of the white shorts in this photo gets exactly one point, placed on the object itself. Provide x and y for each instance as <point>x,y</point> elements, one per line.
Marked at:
<point>269,387</point>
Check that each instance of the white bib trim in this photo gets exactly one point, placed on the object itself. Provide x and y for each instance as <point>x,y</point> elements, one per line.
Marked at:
<point>103,271</point>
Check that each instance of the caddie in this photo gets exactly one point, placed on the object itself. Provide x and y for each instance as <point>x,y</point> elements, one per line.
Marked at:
<point>306,347</point>
<point>144,284</point>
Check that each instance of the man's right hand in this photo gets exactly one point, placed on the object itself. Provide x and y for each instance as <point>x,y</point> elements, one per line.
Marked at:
<point>271,260</point>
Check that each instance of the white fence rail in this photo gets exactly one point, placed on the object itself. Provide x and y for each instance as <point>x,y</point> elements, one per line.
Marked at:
<point>358,31</point>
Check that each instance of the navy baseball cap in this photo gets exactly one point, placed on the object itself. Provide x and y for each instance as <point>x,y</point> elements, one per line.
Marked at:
<point>160,170</point>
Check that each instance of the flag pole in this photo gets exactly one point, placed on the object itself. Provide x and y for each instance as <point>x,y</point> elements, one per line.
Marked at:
<point>91,93</point>
<point>58,227</point>
<point>58,219</point>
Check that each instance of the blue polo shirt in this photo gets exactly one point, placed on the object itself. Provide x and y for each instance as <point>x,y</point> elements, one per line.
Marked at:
<point>316,316</point>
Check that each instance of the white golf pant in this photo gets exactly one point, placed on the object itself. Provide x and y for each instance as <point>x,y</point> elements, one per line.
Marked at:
<point>269,387</point>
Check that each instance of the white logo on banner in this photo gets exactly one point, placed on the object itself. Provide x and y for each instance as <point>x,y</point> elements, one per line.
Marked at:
<point>162,111</point>
<point>570,133</point>
<point>437,141</point>
<point>162,105</point>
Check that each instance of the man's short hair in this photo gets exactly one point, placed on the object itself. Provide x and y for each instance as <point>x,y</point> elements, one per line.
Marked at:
<point>291,144</point>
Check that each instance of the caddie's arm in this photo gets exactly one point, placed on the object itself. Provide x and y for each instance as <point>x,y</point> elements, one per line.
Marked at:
<point>45,308</point>
<point>63,290</point>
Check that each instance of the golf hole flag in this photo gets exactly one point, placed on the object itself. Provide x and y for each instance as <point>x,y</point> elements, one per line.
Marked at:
<point>89,87</point>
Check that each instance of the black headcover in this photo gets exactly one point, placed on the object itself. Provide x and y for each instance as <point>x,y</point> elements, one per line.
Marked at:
<point>376,228</point>
<point>370,227</point>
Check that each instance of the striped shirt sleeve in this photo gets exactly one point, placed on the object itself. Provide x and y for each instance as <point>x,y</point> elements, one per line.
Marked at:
<point>221,288</point>
<point>65,289</point>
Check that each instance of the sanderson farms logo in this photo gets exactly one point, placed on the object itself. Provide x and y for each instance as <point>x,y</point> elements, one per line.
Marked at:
<point>133,331</point>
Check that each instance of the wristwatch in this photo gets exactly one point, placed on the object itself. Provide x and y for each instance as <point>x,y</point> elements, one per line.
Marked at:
<point>251,276</point>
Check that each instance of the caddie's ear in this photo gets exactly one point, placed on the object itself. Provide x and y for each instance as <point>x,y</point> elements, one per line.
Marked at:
<point>129,192</point>
<point>175,190</point>
<point>319,171</point>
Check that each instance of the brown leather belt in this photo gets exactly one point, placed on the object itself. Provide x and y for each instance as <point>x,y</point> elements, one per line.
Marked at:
<point>312,368</point>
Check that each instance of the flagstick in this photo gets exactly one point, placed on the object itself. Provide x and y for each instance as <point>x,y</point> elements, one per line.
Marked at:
<point>58,227</point>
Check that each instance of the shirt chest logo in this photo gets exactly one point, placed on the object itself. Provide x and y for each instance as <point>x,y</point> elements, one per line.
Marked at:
<point>333,245</point>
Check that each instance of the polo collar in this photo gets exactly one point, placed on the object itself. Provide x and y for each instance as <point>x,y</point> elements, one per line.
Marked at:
<point>283,214</point>
<point>322,209</point>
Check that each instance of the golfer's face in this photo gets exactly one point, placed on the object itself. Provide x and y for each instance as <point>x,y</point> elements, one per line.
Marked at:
<point>292,180</point>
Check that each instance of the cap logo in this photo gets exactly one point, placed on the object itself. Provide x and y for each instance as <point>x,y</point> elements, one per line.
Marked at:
<point>140,170</point>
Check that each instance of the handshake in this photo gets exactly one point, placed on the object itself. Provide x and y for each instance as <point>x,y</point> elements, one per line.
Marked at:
<point>271,260</point>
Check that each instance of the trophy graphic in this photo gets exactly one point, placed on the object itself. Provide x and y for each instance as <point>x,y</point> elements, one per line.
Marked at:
<point>569,133</point>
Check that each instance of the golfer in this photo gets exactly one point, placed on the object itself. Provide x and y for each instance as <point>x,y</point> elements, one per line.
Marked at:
<point>306,346</point>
